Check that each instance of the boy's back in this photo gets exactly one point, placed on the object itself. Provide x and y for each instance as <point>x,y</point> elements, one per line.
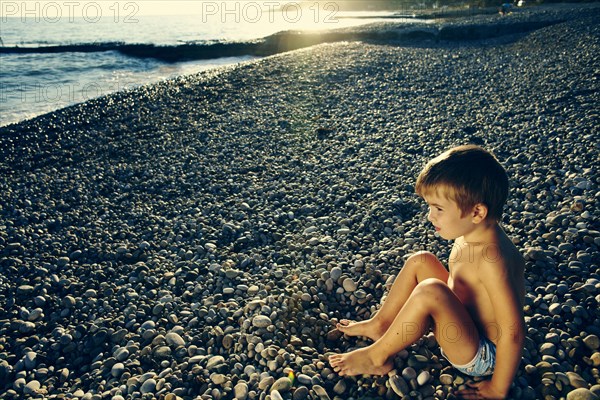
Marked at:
<point>491,266</point>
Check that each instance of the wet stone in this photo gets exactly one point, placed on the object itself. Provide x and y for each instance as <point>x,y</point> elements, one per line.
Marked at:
<point>399,385</point>
<point>148,386</point>
<point>282,385</point>
<point>581,394</point>
<point>261,321</point>
<point>300,393</point>
<point>592,342</point>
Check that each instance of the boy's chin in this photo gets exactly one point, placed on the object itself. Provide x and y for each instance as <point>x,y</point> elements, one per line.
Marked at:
<point>444,236</point>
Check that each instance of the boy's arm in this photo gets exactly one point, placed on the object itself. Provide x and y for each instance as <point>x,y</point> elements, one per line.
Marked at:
<point>511,330</point>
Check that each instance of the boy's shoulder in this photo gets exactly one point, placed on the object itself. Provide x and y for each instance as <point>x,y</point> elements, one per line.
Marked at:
<point>497,256</point>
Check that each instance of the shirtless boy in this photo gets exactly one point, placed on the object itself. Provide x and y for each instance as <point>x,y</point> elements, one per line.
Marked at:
<point>475,308</point>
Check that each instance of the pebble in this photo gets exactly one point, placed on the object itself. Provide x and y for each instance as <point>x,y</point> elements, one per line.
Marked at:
<point>576,381</point>
<point>321,392</point>
<point>409,373</point>
<point>261,321</point>
<point>215,362</point>
<point>275,395</point>
<point>148,386</point>
<point>32,387</point>
<point>399,385</point>
<point>30,360</point>
<point>240,391</point>
<point>423,378</point>
<point>340,387</point>
<point>266,382</point>
<point>117,370</point>
<point>282,385</point>
<point>300,393</point>
<point>336,273</point>
<point>446,379</point>
<point>349,285</point>
<point>581,394</point>
<point>592,342</point>
<point>174,339</point>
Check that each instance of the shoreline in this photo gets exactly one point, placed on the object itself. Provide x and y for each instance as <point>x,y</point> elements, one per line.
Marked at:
<point>475,26</point>
<point>200,237</point>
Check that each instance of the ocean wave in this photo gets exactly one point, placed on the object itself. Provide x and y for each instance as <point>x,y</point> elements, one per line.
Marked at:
<point>287,41</point>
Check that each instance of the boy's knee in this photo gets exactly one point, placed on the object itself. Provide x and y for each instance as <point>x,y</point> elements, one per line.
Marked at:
<point>422,257</point>
<point>432,289</point>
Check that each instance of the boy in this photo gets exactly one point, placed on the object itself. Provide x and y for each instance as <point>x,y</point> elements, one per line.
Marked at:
<point>475,308</point>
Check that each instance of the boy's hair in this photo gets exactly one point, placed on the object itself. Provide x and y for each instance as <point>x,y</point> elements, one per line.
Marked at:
<point>468,175</point>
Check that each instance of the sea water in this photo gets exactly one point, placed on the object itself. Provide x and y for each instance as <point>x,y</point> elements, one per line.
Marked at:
<point>32,83</point>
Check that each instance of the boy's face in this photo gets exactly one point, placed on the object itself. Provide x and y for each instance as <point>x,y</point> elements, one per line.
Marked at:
<point>446,217</point>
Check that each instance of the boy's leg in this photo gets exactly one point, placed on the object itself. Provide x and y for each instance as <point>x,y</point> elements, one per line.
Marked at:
<point>418,267</point>
<point>431,301</point>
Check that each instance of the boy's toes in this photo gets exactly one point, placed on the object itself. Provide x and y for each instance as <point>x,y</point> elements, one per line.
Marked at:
<point>335,360</point>
<point>343,324</point>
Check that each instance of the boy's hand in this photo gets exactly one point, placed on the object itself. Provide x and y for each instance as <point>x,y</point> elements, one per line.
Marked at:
<point>480,390</point>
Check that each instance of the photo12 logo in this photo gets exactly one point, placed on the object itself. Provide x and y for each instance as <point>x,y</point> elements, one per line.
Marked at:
<point>69,11</point>
<point>60,93</point>
<point>268,11</point>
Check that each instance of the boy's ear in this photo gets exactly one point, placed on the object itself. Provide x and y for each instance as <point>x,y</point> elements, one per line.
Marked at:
<point>479,213</point>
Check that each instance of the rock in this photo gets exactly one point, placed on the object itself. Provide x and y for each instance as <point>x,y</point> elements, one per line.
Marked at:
<point>409,373</point>
<point>336,273</point>
<point>228,342</point>
<point>30,360</point>
<point>321,392</point>
<point>148,386</point>
<point>215,362</point>
<point>576,381</point>
<point>174,339</point>
<point>162,352</point>
<point>334,335</point>
<point>240,391</point>
<point>266,382</point>
<point>548,349</point>
<point>63,262</point>
<point>399,385</point>
<point>543,367</point>
<point>218,379</point>
<point>32,387</point>
<point>117,370</point>
<point>282,385</point>
<point>349,285</point>
<point>121,354</point>
<point>261,321</point>
<point>301,393</point>
<point>555,308</point>
<point>25,290</point>
<point>446,379</point>
<point>581,394</point>
<point>340,387</point>
<point>304,379</point>
<point>275,395</point>
<point>418,361</point>
<point>592,342</point>
<point>423,378</point>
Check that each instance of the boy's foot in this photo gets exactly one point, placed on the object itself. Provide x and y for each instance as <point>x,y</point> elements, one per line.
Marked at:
<point>358,362</point>
<point>367,328</point>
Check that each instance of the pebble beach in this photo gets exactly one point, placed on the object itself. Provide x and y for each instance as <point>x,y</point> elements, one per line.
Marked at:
<point>199,238</point>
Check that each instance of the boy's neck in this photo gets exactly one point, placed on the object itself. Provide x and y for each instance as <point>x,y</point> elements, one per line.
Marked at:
<point>484,232</point>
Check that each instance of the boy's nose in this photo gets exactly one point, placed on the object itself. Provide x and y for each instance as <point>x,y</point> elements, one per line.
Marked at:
<point>429,216</point>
